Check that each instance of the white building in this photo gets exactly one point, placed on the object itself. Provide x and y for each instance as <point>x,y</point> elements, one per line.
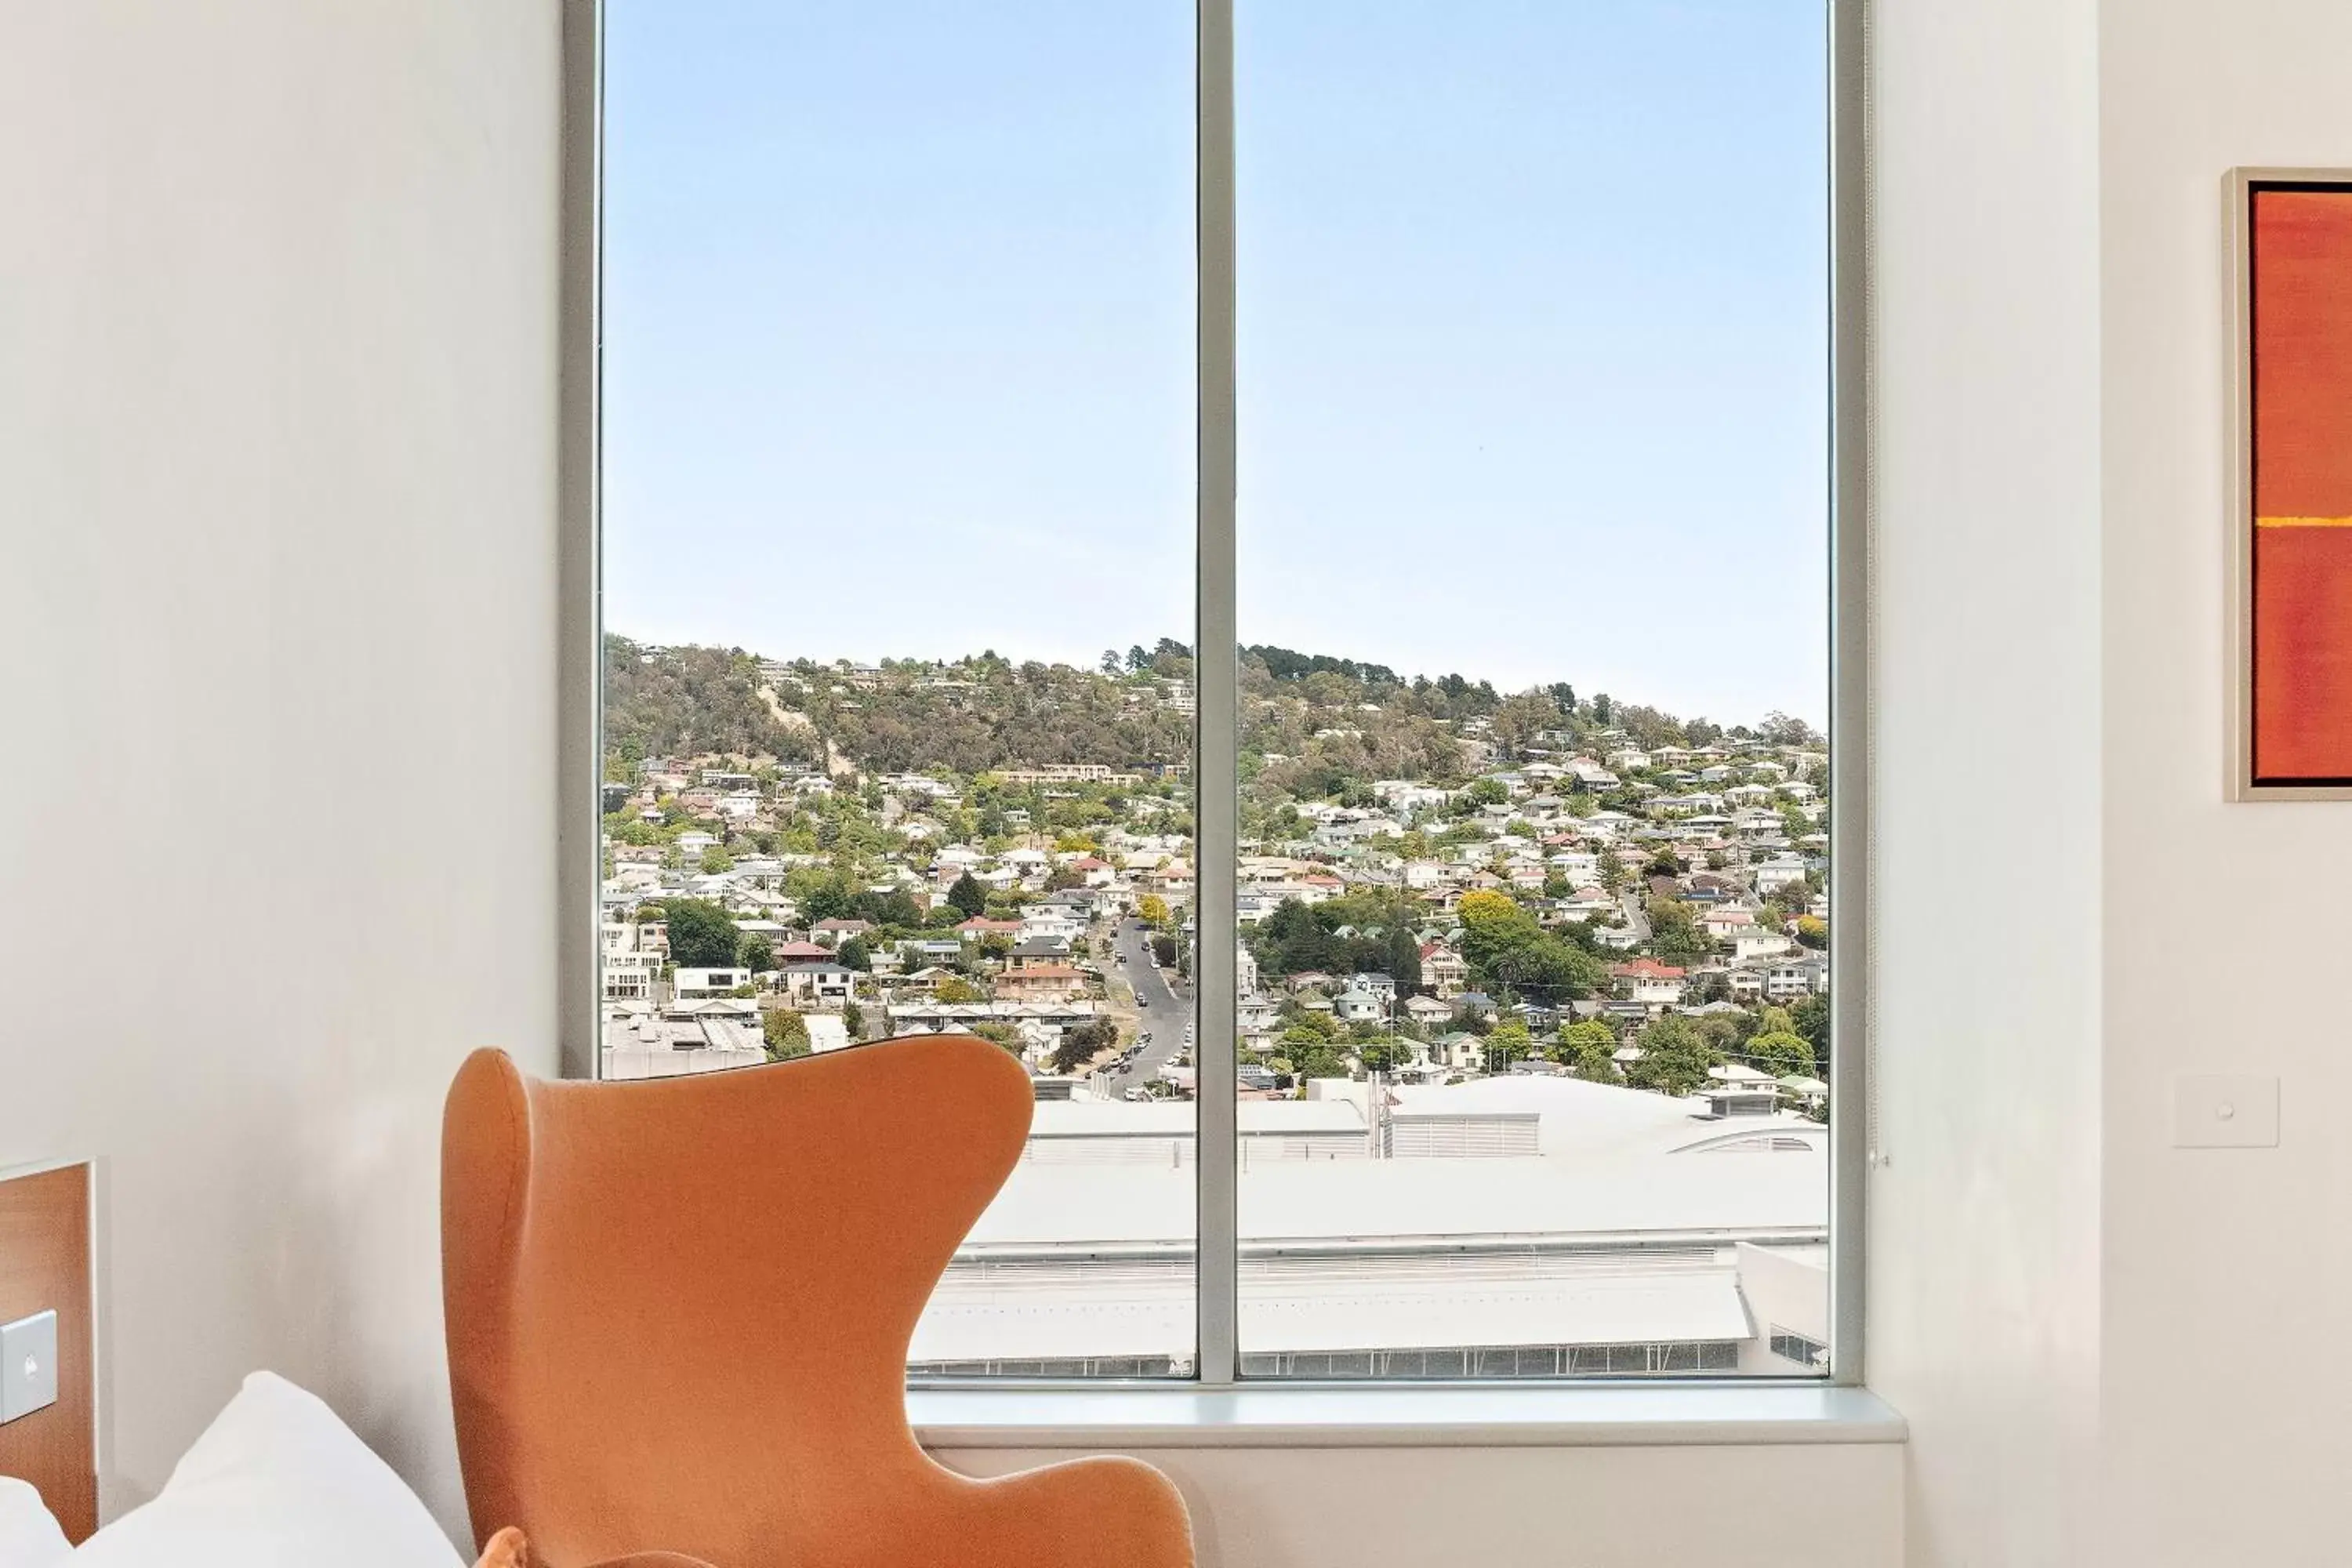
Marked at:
<point>1620,1244</point>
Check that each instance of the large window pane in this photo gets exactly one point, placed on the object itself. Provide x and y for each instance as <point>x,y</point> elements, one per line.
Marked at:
<point>1534,594</point>
<point>898,578</point>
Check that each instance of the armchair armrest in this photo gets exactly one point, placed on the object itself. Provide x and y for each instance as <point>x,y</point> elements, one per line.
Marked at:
<point>510,1547</point>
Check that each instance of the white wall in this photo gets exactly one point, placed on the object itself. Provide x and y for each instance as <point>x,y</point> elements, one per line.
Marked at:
<point>1984,1280</point>
<point>2109,1349</point>
<point>1825,1506</point>
<point>2227,1273</point>
<point>277,470</point>
<point>277,612</point>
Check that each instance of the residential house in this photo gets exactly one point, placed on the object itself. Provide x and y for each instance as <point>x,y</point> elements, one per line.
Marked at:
<point>819,985</point>
<point>1426,1011</point>
<point>1754,941</point>
<point>1442,970</point>
<point>692,984</point>
<point>1040,983</point>
<point>1648,982</point>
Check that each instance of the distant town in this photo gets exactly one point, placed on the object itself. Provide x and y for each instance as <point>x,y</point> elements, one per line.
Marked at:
<point>1438,883</point>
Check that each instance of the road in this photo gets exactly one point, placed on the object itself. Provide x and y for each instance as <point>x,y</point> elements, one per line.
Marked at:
<point>1637,918</point>
<point>1165,1009</point>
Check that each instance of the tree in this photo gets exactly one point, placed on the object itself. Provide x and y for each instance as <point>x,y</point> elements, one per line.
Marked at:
<point>1080,1043</point>
<point>853,954</point>
<point>1004,1035</point>
<point>1809,1017</point>
<point>1153,909</point>
<point>1674,1057</point>
<point>1812,932</point>
<point>716,859</point>
<point>1508,1042</point>
<point>1318,1061</point>
<point>1380,1056</point>
<point>1310,1026</point>
<point>968,896</point>
<point>1676,935</point>
<point>756,953</point>
<point>955,988</point>
<point>701,934</point>
<point>1163,950</point>
<point>1404,959</point>
<point>786,1033</point>
<point>853,1019</point>
<point>1782,1053</point>
<point>1507,947</point>
<point>1589,1050</point>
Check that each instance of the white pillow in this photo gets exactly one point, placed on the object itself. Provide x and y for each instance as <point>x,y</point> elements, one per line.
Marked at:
<point>29,1536</point>
<point>276,1481</point>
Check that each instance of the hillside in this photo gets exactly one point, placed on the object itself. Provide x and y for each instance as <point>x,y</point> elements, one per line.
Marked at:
<point>1313,725</point>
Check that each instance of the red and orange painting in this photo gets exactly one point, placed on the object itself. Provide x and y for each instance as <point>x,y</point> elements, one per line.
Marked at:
<point>2299,309</point>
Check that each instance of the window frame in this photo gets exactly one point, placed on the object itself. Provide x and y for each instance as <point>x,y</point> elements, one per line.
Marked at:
<point>580,681</point>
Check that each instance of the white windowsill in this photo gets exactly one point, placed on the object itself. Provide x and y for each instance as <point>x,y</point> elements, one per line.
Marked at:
<point>1610,1415</point>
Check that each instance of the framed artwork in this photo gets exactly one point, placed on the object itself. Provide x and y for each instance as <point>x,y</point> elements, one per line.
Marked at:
<point>2291,512</point>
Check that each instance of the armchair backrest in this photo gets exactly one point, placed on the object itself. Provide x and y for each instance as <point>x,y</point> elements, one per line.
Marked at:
<point>678,1310</point>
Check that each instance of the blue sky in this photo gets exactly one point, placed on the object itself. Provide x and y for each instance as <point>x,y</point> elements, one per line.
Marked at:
<point>899,334</point>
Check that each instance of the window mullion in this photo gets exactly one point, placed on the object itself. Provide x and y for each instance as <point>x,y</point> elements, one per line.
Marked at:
<point>1217,677</point>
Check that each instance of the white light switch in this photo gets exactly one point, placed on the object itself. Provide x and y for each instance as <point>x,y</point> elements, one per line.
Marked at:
<point>2224,1111</point>
<point>28,1365</point>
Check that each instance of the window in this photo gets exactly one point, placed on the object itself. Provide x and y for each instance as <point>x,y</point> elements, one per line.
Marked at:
<point>1811,1354</point>
<point>1277,562</point>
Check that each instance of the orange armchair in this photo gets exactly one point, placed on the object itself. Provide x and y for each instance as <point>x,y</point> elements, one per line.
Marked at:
<point>679,1313</point>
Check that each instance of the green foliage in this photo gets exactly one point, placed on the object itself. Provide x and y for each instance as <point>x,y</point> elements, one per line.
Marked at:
<point>682,702</point>
<point>1809,1017</point>
<point>786,1033</point>
<point>1674,1056</point>
<point>1299,939</point>
<point>701,934</point>
<point>1478,794</point>
<point>1004,1035</point>
<point>853,1019</point>
<point>1676,935</point>
<point>955,988</point>
<point>1318,1061</point>
<point>1589,1050</point>
<point>830,895</point>
<point>968,896</point>
<point>1506,1042</point>
<point>1781,1054</point>
<point>1080,1042</point>
<point>853,954</point>
<point>756,953</point>
<point>1507,949</point>
<point>1310,1027</point>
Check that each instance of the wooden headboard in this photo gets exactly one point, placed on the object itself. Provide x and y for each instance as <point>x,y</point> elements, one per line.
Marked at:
<point>44,1226</point>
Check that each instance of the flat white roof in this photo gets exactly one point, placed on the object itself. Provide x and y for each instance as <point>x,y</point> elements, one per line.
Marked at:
<point>1366,1203</point>
<point>992,1317</point>
<point>1178,1118</point>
